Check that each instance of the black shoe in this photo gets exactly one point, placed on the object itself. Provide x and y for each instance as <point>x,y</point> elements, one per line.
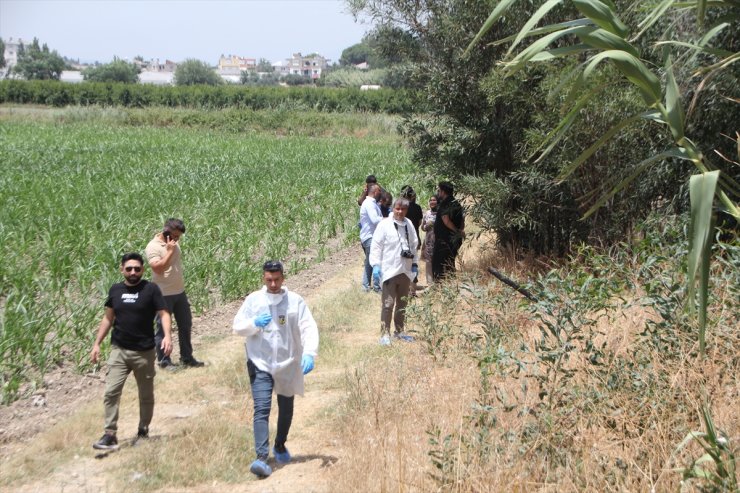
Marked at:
<point>192,363</point>
<point>165,362</point>
<point>106,442</point>
<point>142,433</point>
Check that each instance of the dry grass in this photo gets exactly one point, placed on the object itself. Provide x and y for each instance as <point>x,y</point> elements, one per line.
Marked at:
<point>460,410</point>
<point>465,409</point>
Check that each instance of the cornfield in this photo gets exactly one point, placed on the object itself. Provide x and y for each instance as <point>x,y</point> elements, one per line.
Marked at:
<point>74,197</point>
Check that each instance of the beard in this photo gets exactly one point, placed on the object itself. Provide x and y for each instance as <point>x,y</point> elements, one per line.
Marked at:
<point>133,279</point>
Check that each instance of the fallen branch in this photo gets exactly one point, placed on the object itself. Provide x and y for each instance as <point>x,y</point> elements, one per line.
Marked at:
<point>512,284</point>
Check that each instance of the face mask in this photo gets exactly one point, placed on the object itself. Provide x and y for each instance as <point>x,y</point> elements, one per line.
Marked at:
<point>274,298</point>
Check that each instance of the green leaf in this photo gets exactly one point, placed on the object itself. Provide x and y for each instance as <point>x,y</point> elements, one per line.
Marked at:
<point>701,192</point>
<point>653,17</point>
<point>498,11</point>
<point>674,111</point>
<point>560,52</point>
<point>547,29</point>
<point>639,168</point>
<point>635,71</point>
<point>564,124</point>
<point>519,61</point>
<point>701,10</point>
<point>541,12</point>
<point>597,145</point>
<point>603,15</point>
<point>604,40</point>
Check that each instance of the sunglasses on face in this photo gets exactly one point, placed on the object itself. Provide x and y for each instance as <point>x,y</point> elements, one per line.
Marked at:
<point>132,268</point>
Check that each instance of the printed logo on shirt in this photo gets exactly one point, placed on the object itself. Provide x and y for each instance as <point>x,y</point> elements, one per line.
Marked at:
<point>281,319</point>
<point>129,297</point>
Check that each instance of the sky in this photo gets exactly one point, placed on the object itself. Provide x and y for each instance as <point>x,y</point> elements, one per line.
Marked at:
<point>98,30</point>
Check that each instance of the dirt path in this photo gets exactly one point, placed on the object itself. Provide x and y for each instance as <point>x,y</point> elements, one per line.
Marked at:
<point>60,416</point>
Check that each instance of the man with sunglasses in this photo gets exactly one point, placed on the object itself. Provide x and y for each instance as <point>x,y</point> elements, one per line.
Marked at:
<point>394,257</point>
<point>130,310</point>
<point>164,256</point>
<point>282,341</point>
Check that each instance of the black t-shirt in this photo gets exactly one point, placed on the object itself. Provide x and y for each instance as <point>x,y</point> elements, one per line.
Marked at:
<point>135,308</point>
<point>451,208</point>
<point>415,215</point>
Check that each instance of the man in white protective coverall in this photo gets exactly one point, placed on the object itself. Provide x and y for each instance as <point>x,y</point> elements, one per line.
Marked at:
<point>282,342</point>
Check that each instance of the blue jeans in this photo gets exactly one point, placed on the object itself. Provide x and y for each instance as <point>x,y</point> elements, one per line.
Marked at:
<point>179,308</point>
<point>262,384</point>
<point>367,274</point>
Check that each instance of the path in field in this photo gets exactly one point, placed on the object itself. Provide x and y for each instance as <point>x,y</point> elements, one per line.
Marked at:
<point>312,442</point>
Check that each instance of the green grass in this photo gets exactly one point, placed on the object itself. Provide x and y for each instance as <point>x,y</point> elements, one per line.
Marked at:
<point>75,196</point>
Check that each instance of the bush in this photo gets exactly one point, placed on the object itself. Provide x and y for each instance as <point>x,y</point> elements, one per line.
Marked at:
<point>207,97</point>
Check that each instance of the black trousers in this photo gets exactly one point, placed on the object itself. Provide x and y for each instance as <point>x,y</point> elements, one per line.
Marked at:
<point>443,259</point>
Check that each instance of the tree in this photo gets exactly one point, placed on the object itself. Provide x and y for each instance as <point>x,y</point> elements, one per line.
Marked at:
<point>689,61</point>
<point>264,65</point>
<point>192,72</point>
<point>297,80</point>
<point>38,62</point>
<point>2,53</point>
<point>116,71</point>
<point>356,54</point>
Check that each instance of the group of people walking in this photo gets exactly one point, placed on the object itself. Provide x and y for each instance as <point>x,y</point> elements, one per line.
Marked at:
<point>282,337</point>
<point>391,243</point>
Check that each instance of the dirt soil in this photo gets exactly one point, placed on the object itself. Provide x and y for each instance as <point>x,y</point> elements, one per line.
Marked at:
<point>65,392</point>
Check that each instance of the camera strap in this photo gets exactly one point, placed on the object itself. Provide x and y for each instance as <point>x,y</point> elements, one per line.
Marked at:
<point>406,229</point>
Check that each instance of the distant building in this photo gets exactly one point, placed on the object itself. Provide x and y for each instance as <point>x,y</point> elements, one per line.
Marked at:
<point>11,55</point>
<point>71,76</point>
<point>363,66</point>
<point>157,78</point>
<point>235,65</point>
<point>308,66</point>
<point>281,67</point>
<point>153,65</point>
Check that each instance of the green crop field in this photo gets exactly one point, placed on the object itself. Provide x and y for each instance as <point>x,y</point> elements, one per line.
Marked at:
<point>75,196</point>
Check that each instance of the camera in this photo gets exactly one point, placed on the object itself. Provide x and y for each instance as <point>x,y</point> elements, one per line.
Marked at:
<point>407,254</point>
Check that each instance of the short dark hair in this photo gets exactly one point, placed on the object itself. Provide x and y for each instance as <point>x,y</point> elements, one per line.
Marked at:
<point>272,266</point>
<point>371,179</point>
<point>132,256</point>
<point>446,187</point>
<point>173,223</point>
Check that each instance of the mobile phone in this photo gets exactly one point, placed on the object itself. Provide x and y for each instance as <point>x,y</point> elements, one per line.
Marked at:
<point>166,235</point>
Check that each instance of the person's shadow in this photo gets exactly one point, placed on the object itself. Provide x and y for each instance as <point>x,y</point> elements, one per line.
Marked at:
<point>326,460</point>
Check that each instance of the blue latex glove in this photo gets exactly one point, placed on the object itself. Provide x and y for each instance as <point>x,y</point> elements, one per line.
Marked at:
<point>263,320</point>
<point>377,275</point>
<point>415,269</point>
<point>307,363</point>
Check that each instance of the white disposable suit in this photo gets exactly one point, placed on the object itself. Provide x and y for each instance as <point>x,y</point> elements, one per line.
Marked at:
<point>278,347</point>
<point>389,239</point>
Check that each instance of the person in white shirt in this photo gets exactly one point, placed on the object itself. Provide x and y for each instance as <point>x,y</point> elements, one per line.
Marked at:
<point>394,257</point>
<point>282,342</point>
<point>370,216</point>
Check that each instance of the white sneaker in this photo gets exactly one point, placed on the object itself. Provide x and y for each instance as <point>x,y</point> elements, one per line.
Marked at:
<point>385,341</point>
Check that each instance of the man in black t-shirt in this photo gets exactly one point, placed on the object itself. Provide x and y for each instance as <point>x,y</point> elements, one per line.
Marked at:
<point>130,309</point>
<point>449,231</point>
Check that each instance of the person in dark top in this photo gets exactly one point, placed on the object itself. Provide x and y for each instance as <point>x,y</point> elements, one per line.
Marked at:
<point>449,231</point>
<point>130,310</point>
<point>415,214</point>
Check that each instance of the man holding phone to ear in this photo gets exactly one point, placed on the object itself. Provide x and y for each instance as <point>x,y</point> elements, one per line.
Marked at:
<point>163,254</point>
